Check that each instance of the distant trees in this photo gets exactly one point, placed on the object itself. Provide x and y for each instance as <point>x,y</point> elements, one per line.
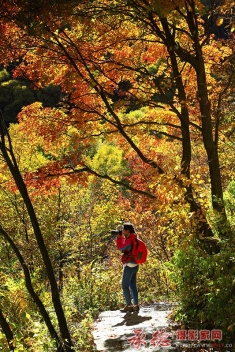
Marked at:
<point>17,93</point>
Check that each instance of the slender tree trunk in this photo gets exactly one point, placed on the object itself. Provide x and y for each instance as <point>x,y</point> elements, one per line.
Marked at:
<point>197,62</point>
<point>30,288</point>
<point>203,226</point>
<point>8,155</point>
<point>209,140</point>
<point>7,331</point>
<point>207,134</point>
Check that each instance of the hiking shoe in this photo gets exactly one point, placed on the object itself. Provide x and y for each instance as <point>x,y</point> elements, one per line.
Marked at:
<point>136,307</point>
<point>127,309</point>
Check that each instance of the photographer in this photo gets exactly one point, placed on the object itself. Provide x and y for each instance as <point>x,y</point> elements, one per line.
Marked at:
<point>124,242</point>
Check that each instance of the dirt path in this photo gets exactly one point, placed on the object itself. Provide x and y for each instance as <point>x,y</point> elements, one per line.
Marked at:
<point>146,330</point>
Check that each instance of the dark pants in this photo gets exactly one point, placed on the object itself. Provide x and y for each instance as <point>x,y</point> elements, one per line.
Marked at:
<point>129,283</point>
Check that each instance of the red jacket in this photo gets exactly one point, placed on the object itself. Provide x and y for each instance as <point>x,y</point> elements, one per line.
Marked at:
<point>126,245</point>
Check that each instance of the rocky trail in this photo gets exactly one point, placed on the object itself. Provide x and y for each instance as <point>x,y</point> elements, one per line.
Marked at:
<point>150,329</point>
<point>146,330</point>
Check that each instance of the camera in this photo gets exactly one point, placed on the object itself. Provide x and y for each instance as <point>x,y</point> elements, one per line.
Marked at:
<point>116,232</point>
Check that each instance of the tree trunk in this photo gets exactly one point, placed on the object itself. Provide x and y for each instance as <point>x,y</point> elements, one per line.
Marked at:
<point>203,226</point>
<point>210,142</point>
<point>13,167</point>
<point>30,288</point>
<point>7,331</point>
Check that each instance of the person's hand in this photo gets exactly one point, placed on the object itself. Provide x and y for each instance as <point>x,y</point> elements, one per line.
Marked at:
<point>120,235</point>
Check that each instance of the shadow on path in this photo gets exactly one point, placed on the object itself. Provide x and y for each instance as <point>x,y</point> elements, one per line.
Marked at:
<point>133,318</point>
<point>114,330</point>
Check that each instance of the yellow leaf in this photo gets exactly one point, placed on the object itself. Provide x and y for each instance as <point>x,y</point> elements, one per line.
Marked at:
<point>22,303</point>
<point>219,21</point>
<point>190,236</point>
<point>230,327</point>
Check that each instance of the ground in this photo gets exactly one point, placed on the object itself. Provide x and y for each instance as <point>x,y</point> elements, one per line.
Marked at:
<point>146,330</point>
<point>150,329</point>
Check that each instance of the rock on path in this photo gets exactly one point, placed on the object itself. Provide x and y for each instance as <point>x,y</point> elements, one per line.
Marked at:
<point>144,329</point>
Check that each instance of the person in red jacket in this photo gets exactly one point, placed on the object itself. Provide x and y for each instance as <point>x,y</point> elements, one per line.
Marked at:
<point>124,243</point>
